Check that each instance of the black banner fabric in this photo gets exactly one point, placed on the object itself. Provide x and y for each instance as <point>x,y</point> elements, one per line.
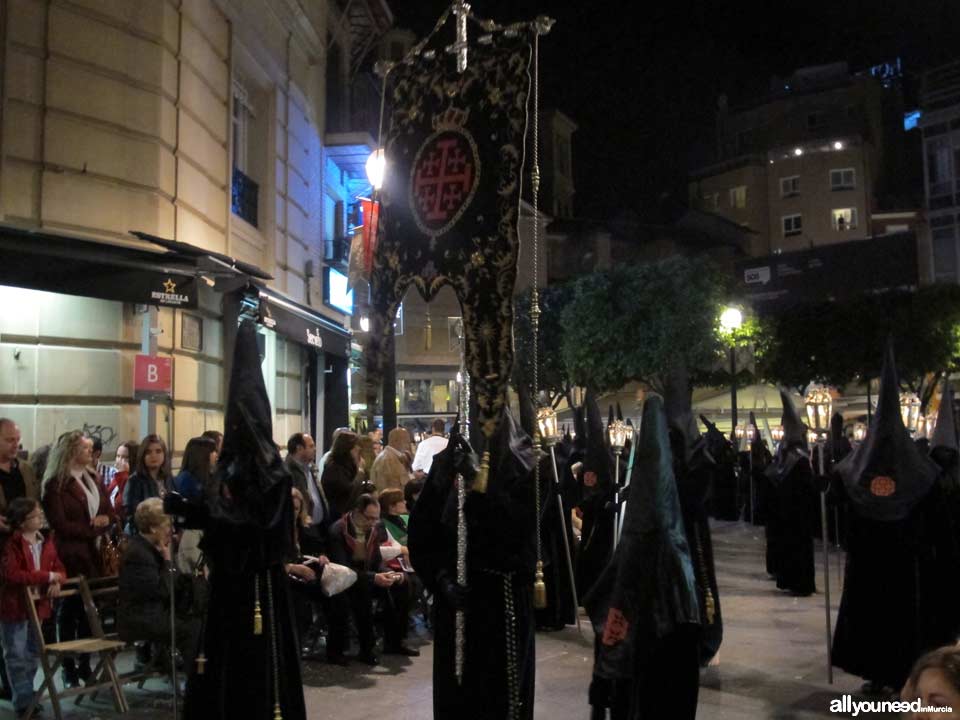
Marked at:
<point>451,203</point>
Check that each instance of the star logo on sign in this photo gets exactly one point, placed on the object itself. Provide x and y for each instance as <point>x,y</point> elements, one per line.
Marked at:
<point>169,286</point>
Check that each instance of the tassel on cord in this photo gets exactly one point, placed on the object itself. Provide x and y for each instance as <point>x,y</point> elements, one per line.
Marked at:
<point>257,616</point>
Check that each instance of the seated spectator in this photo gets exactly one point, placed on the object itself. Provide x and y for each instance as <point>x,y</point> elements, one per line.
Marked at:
<point>339,478</point>
<point>391,469</point>
<point>411,492</point>
<point>151,478</point>
<point>935,680</point>
<point>144,601</point>
<point>393,508</point>
<point>355,541</point>
<point>305,570</point>
<point>28,559</point>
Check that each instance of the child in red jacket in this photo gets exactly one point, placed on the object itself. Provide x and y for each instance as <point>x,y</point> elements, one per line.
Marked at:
<point>28,559</point>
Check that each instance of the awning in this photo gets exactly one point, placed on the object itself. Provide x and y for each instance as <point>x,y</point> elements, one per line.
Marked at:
<point>303,324</point>
<point>76,266</point>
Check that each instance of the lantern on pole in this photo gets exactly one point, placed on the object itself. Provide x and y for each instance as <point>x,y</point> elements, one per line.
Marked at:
<point>859,432</point>
<point>819,406</point>
<point>777,434</point>
<point>547,426</point>
<point>618,432</point>
<point>910,411</point>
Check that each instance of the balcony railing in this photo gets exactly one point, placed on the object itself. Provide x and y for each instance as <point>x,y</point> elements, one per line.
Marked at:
<point>244,197</point>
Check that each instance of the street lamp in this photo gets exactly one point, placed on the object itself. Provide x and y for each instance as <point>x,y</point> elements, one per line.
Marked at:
<point>618,433</point>
<point>819,406</point>
<point>376,168</point>
<point>747,432</point>
<point>550,435</point>
<point>910,411</point>
<point>931,425</point>
<point>577,395</point>
<point>731,320</point>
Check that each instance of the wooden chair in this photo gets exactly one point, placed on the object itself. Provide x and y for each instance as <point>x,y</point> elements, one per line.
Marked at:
<point>52,655</point>
<point>105,594</point>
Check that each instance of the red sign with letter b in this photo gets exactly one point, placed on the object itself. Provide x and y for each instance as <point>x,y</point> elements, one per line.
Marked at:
<point>152,377</point>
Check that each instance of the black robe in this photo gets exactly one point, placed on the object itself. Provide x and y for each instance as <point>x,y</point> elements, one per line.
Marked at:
<point>499,661</point>
<point>790,523</point>
<point>560,610</point>
<point>248,536</point>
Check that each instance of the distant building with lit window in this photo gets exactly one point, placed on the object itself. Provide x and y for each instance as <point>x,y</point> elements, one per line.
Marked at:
<point>803,167</point>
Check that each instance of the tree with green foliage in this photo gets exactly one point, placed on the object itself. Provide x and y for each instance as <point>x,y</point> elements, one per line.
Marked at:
<point>656,323</point>
<point>841,342</point>
<point>554,379</point>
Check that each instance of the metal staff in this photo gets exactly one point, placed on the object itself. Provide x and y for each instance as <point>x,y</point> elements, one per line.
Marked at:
<point>171,578</point>
<point>826,564</point>
<point>626,482</point>
<point>566,540</point>
<point>461,576</point>
<point>619,433</point>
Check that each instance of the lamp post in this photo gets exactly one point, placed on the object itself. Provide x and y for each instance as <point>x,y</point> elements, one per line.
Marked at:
<point>748,433</point>
<point>776,434</point>
<point>376,167</point>
<point>550,435</point>
<point>819,407</point>
<point>619,433</point>
<point>731,320</point>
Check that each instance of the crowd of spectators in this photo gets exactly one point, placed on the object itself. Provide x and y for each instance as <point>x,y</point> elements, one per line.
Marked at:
<point>65,510</point>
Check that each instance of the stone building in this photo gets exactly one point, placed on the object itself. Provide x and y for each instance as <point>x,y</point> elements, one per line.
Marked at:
<point>235,129</point>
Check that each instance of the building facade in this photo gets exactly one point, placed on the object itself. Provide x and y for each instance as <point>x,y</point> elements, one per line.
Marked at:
<point>206,123</point>
<point>800,167</point>
<point>940,125</point>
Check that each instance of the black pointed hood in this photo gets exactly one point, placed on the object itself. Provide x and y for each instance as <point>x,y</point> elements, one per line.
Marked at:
<point>945,433</point>
<point>887,475</point>
<point>250,465</point>
<point>596,453</point>
<point>758,448</point>
<point>794,431</point>
<point>840,445</point>
<point>655,576</point>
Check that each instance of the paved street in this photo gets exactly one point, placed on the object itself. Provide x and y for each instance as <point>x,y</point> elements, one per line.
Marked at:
<point>771,662</point>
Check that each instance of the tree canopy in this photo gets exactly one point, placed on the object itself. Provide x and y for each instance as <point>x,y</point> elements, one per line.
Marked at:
<point>553,376</point>
<point>840,342</point>
<point>656,323</point>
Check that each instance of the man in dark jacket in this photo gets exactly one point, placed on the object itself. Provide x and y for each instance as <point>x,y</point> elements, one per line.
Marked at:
<point>301,456</point>
<point>144,609</point>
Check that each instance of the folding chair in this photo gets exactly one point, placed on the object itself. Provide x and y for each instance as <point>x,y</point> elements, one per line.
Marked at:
<point>52,655</point>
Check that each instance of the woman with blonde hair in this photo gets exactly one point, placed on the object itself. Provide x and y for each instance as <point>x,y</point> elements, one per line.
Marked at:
<point>78,510</point>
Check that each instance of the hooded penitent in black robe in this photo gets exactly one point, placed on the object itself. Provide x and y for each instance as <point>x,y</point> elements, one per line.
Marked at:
<point>838,447</point>
<point>793,510</point>
<point>596,498</point>
<point>900,586</point>
<point>248,535</point>
<point>760,459</point>
<point>645,607</point>
<point>693,467</point>
<point>498,673</point>
<point>723,501</point>
<point>560,610</point>
<point>945,452</point>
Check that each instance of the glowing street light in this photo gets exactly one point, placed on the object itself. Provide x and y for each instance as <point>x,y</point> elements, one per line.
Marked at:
<point>376,168</point>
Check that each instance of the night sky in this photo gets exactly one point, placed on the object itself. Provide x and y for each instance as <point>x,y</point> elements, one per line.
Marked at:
<point>642,84</point>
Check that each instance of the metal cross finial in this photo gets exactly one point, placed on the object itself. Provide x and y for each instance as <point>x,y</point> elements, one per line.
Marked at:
<point>462,10</point>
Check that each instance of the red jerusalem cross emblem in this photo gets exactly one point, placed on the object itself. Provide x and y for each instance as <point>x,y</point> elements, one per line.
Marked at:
<point>443,180</point>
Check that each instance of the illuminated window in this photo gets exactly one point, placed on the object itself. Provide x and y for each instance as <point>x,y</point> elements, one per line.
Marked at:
<point>711,201</point>
<point>844,219</point>
<point>790,186</point>
<point>843,179</point>
<point>738,196</point>
<point>792,225</point>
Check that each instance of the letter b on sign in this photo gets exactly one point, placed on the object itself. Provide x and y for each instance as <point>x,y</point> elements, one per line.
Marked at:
<point>152,377</point>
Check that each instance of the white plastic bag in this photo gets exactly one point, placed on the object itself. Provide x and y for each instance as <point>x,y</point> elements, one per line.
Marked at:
<point>336,578</point>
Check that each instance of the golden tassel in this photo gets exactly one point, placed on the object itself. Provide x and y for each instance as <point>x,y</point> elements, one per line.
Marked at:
<point>539,588</point>
<point>480,481</point>
<point>711,608</point>
<point>428,334</point>
<point>201,664</point>
<point>257,616</point>
<point>277,715</point>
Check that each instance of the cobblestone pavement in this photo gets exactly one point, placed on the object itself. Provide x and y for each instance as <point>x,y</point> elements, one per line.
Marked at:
<point>771,664</point>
